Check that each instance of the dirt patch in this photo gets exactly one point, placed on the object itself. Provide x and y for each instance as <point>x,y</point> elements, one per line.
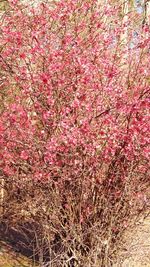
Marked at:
<point>9,258</point>
<point>135,247</point>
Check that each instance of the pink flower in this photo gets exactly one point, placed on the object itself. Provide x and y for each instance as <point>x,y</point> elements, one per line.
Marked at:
<point>23,55</point>
<point>24,155</point>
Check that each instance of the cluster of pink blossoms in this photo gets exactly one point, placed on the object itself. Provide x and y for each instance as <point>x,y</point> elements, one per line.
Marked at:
<point>69,99</point>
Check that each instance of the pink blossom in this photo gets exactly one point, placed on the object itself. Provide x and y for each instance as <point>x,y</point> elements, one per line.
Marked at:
<point>24,155</point>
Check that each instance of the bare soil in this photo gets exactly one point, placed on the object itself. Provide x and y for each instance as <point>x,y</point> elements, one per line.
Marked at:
<point>135,246</point>
<point>9,258</point>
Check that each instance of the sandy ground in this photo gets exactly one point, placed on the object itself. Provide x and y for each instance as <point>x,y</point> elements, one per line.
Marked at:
<point>135,247</point>
<point>8,258</point>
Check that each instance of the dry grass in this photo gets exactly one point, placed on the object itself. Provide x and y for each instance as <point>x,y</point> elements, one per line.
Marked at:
<point>47,221</point>
<point>134,251</point>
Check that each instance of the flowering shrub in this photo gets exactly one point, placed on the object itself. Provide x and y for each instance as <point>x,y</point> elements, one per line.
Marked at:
<point>74,101</point>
